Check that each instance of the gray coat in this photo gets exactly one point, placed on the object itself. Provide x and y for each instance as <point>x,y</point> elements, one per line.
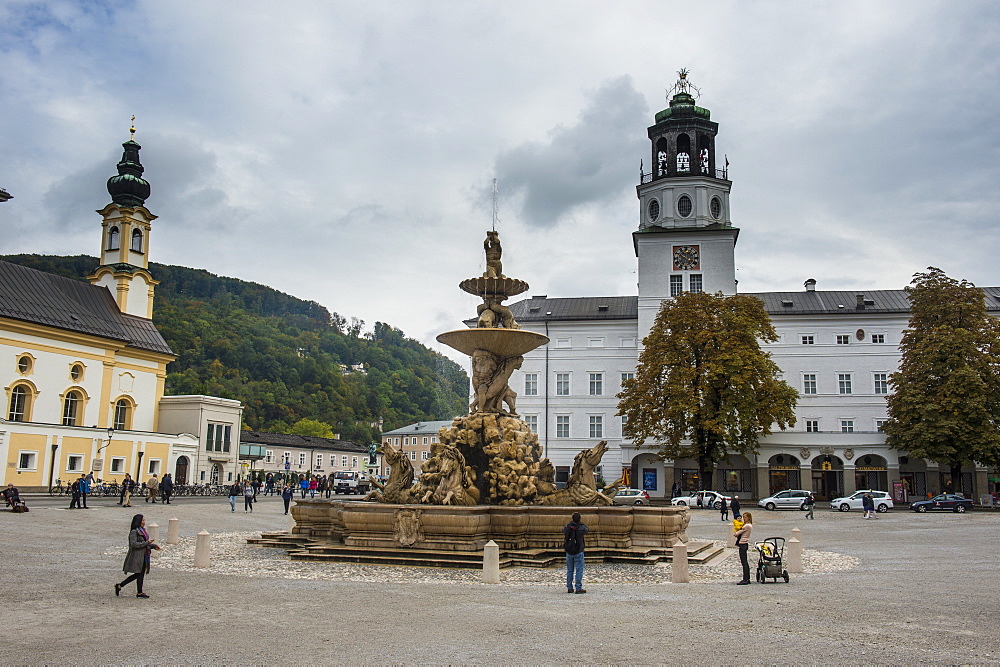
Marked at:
<point>135,559</point>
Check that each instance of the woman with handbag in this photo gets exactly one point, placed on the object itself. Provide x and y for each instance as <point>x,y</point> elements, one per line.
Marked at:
<point>137,559</point>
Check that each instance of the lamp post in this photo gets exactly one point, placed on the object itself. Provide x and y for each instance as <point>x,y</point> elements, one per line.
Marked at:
<point>52,466</point>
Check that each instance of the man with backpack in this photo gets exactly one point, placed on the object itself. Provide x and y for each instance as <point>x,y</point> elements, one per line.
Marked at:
<point>574,533</point>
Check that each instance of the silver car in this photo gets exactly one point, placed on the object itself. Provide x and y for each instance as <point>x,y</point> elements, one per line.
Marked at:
<point>631,497</point>
<point>790,499</point>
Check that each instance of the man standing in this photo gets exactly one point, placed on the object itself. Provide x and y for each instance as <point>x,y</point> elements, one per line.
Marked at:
<point>269,484</point>
<point>74,488</point>
<point>84,491</point>
<point>869,505</point>
<point>734,505</point>
<point>154,487</point>
<point>167,488</point>
<point>287,494</point>
<point>574,533</point>
<point>304,486</point>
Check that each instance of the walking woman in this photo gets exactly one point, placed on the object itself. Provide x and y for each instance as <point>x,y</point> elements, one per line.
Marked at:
<point>235,491</point>
<point>247,497</point>
<point>137,559</point>
<point>743,542</point>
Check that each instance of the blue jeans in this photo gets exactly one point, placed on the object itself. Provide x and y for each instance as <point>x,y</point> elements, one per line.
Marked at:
<point>574,563</point>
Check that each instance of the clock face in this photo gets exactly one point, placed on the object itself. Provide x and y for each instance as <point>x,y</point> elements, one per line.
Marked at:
<point>687,258</point>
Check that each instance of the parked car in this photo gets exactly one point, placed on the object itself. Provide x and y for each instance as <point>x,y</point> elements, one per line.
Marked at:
<point>951,502</point>
<point>631,497</point>
<point>883,501</point>
<point>794,499</point>
<point>709,500</point>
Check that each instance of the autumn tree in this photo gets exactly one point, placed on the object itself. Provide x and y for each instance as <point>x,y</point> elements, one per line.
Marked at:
<point>311,427</point>
<point>945,404</point>
<point>703,387</point>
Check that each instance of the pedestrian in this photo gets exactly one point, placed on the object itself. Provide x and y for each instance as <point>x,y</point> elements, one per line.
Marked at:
<point>90,477</point>
<point>743,543</point>
<point>304,486</point>
<point>137,559</point>
<point>247,497</point>
<point>734,505</point>
<point>74,488</point>
<point>810,506</point>
<point>574,533</point>
<point>167,488</point>
<point>675,490</point>
<point>153,484</point>
<point>235,491</point>
<point>313,485</point>
<point>256,488</point>
<point>724,509</point>
<point>128,486</point>
<point>121,497</point>
<point>286,496</point>
<point>85,490</point>
<point>269,484</point>
<point>869,505</point>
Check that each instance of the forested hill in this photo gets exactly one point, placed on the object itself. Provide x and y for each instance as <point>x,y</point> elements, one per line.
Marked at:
<point>282,356</point>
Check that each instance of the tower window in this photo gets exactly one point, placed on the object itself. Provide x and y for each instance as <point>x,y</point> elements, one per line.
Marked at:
<point>136,241</point>
<point>113,236</point>
<point>676,285</point>
<point>683,153</point>
<point>716,207</point>
<point>661,157</point>
<point>684,205</point>
<point>654,210</point>
<point>20,402</point>
<point>71,408</point>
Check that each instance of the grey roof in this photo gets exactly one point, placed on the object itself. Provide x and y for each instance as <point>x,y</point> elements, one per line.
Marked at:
<point>420,428</point>
<point>34,296</point>
<point>540,308</point>
<point>302,441</point>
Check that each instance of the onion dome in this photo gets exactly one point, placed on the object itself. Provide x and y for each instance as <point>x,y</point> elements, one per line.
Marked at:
<point>128,188</point>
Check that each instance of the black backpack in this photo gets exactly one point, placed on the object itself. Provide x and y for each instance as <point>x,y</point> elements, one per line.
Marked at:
<point>572,545</point>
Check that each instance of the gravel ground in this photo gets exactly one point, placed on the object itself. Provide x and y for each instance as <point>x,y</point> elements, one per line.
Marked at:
<point>902,589</point>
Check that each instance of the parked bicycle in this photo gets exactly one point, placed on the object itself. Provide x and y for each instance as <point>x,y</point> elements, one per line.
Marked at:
<point>59,489</point>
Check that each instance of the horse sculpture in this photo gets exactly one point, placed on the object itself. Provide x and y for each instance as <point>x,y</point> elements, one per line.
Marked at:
<point>454,483</point>
<point>581,489</point>
<point>397,488</point>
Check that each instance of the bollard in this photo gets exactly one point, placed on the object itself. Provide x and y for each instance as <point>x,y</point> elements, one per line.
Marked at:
<point>679,564</point>
<point>202,549</point>
<point>173,531</point>
<point>153,530</point>
<point>795,552</point>
<point>491,563</point>
<point>731,542</point>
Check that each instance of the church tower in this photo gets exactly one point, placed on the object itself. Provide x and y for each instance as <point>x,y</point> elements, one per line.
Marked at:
<point>685,241</point>
<point>125,231</point>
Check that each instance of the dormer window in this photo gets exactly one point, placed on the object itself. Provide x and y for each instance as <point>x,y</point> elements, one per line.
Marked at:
<point>113,236</point>
<point>136,241</point>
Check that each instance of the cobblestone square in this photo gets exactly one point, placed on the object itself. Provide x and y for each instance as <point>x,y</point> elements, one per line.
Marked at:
<point>902,588</point>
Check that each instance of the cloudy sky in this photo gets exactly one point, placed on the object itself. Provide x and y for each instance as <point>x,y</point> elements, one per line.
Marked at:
<point>344,151</point>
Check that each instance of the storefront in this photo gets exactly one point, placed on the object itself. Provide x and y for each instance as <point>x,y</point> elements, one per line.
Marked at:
<point>870,472</point>
<point>783,473</point>
<point>827,477</point>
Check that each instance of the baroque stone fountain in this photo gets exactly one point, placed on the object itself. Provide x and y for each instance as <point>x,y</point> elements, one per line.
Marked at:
<point>486,478</point>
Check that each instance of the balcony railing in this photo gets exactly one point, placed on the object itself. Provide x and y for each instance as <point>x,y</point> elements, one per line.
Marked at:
<point>721,174</point>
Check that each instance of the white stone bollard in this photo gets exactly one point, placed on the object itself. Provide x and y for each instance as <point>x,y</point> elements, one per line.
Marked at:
<point>679,564</point>
<point>173,531</point>
<point>795,551</point>
<point>491,563</point>
<point>202,549</point>
<point>154,531</point>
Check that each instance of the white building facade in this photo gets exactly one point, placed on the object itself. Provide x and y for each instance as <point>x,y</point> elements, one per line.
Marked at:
<point>837,348</point>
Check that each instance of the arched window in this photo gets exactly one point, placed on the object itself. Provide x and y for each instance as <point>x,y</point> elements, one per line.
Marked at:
<point>683,153</point>
<point>136,240</point>
<point>123,415</point>
<point>703,154</point>
<point>113,235</point>
<point>20,404</point>
<point>71,408</point>
<point>662,160</point>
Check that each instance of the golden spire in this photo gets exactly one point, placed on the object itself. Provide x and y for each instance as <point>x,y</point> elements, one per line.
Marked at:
<point>132,130</point>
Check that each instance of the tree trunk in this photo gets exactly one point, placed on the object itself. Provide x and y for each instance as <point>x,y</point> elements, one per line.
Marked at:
<point>705,473</point>
<point>956,479</point>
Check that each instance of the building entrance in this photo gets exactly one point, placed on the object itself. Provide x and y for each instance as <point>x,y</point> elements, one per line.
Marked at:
<point>181,470</point>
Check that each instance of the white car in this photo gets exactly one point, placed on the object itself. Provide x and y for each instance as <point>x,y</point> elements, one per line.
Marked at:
<point>709,500</point>
<point>882,500</point>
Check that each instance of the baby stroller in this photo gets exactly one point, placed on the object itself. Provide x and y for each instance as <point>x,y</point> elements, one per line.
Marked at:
<point>770,562</point>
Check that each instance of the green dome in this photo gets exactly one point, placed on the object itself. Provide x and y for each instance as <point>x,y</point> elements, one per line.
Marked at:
<point>128,188</point>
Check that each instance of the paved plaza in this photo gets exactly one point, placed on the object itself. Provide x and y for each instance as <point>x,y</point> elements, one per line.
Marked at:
<point>904,588</point>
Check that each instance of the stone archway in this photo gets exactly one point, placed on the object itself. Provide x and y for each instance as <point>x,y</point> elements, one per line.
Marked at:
<point>871,472</point>
<point>783,473</point>
<point>651,475</point>
<point>827,477</point>
<point>735,475</point>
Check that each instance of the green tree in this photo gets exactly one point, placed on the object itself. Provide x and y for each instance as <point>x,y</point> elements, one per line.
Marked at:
<point>945,404</point>
<point>704,388</point>
<point>311,427</point>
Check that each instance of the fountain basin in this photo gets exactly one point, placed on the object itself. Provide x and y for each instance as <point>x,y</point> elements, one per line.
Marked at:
<point>501,342</point>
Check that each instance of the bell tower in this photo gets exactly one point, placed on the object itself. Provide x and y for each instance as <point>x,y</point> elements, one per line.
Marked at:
<point>125,232</point>
<point>685,241</point>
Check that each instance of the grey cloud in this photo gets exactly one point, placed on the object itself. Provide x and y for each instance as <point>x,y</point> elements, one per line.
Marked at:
<point>582,163</point>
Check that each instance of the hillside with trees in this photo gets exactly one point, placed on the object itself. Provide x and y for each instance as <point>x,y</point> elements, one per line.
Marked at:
<point>285,358</point>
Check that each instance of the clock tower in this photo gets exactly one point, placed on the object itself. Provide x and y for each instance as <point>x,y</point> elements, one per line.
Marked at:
<point>685,241</point>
